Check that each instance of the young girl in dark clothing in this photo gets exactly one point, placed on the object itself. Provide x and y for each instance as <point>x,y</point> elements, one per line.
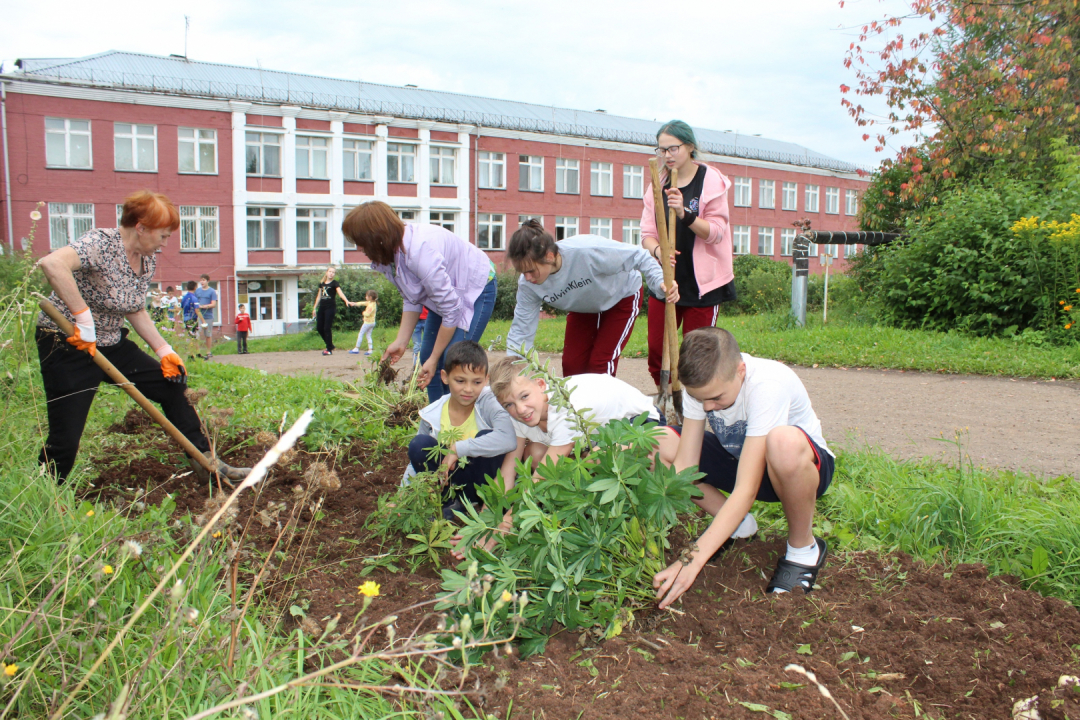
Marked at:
<point>326,308</point>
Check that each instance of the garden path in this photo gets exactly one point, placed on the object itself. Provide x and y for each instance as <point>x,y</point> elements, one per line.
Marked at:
<point>1010,423</point>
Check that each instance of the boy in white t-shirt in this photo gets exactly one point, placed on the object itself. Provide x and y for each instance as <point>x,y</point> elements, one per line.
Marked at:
<point>766,444</point>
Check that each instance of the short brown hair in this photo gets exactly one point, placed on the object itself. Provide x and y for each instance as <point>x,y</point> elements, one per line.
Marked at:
<point>530,245</point>
<point>502,374</point>
<point>205,277</point>
<point>706,354</point>
<point>376,230</point>
<point>153,210</point>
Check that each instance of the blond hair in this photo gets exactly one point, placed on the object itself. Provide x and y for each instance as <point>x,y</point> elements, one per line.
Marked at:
<point>707,354</point>
<point>502,374</point>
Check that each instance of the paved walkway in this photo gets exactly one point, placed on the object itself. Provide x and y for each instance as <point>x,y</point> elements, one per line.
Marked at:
<point>1004,422</point>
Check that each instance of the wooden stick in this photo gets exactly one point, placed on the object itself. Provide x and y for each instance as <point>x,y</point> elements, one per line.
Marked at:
<point>661,235</point>
<point>118,377</point>
<point>671,326</point>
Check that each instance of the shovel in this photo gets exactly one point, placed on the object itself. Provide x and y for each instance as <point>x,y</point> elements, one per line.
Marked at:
<point>203,463</point>
<point>669,400</point>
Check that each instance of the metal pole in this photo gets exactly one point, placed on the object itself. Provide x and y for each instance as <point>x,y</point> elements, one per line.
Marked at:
<point>800,272</point>
<point>7,171</point>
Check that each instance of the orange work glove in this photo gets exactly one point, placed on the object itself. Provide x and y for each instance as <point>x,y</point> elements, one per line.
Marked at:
<point>85,337</point>
<point>172,367</point>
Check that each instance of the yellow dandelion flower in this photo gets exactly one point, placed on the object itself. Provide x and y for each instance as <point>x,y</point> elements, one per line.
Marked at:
<point>89,513</point>
<point>1067,308</point>
<point>506,596</point>
<point>370,589</point>
<point>10,670</point>
<point>1068,326</point>
<point>217,534</point>
<point>107,570</point>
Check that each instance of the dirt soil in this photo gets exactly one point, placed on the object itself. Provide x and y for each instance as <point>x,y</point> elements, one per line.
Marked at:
<point>889,637</point>
<point>1011,423</point>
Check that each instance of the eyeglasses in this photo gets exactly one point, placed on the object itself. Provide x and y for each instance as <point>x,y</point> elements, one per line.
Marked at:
<point>671,150</point>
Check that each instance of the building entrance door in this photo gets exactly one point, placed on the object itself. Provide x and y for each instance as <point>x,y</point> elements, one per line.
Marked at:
<point>264,314</point>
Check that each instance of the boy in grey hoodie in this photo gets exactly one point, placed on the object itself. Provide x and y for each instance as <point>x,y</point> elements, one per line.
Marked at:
<point>469,424</point>
<point>597,280</point>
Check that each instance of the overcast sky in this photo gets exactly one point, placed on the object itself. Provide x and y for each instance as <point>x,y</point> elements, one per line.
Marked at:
<point>772,67</point>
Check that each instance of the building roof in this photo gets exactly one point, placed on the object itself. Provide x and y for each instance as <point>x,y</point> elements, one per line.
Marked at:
<point>178,75</point>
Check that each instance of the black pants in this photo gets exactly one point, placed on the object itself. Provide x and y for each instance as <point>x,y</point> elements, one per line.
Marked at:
<point>324,321</point>
<point>241,341</point>
<point>467,475</point>
<point>71,380</point>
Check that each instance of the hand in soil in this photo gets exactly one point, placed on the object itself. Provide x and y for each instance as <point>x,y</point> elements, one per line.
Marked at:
<point>394,351</point>
<point>674,581</point>
<point>427,373</point>
<point>459,555</point>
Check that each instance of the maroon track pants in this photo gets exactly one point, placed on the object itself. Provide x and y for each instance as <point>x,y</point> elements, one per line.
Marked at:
<point>691,318</point>
<point>594,341</point>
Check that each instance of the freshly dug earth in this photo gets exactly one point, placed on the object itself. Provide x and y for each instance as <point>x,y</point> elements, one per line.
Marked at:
<point>889,637</point>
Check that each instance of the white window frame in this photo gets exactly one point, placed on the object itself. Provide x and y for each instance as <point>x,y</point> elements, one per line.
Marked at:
<point>851,202</point>
<point>766,241</point>
<point>357,157</point>
<point>567,176</point>
<point>787,241</point>
<point>259,142</point>
<point>444,219</point>
<point>443,165</point>
<point>767,194</point>
<point>851,251</point>
<point>200,228</point>
<point>490,165</point>
<point>631,232</point>
<point>199,139</point>
<point>600,226</point>
<point>75,219</point>
<point>832,201</point>
<point>744,190</point>
<point>740,239</point>
<point>790,196</point>
<point>531,173</point>
<point>306,216</point>
<point>522,219</point>
<point>491,231</point>
<point>407,215</point>
<point>601,179</point>
<point>136,136</point>
<point>264,219</point>
<point>813,193</point>
<point>68,133</point>
<point>566,227</point>
<point>405,154</point>
<point>310,149</point>
<point>633,181</point>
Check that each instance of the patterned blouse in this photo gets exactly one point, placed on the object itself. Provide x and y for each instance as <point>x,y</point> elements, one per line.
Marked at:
<point>107,283</point>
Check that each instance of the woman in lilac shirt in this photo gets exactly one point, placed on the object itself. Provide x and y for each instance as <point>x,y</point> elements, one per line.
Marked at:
<point>433,268</point>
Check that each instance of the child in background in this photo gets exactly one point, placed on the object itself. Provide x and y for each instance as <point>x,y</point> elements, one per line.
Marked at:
<point>766,444</point>
<point>418,336</point>
<point>243,327</point>
<point>371,305</point>
<point>189,305</point>
<point>468,423</point>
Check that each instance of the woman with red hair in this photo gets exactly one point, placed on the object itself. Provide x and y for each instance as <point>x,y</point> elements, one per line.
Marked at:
<point>99,281</point>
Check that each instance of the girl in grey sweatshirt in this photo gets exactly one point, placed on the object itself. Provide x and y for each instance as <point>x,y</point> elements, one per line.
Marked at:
<point>596,280</point>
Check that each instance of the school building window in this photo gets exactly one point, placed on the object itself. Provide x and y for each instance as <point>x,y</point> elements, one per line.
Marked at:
<point>69,221</point>
<point>311,224</point>
<point>135,147</point>
<point>600,181</point>
<point>767,194</point>
<point>400,162</point>
<point>631,232</point>
<point>447,220</point>
<point>740,240</point>
<point>633,181</point>
<point>565,227</point>
<point>357,159</point>
<point>492,170</point>
<point>765,241</point>
<point>812,192</point>
<point>522,219</point>
<point>832,201</point>
<point>601,227</point>
<point>312,155</point>
<point>531,173</point>
<point>490,228</point>
<point>406,215</point>
<point>197,150</point>
<point>566,176</point>
<point>851,202</point>
<point>742,191</point>
<point>789,198</point>
<point>787,242</point>
<point>263,154</point>
<point>198,227</point>
<point>263,228</point>
<point>67,143</point>
<point>851,251</point>
<point>443,165</point>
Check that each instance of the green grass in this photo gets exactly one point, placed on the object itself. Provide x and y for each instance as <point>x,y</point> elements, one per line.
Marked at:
<point>344,340</point>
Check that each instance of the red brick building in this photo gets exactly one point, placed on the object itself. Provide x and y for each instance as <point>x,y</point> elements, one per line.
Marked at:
<point>264,165</point>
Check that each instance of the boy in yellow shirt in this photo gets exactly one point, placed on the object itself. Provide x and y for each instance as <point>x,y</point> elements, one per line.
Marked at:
<point>371,305</point>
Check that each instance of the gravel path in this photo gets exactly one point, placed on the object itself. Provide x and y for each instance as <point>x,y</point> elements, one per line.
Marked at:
<point>1007,423</point>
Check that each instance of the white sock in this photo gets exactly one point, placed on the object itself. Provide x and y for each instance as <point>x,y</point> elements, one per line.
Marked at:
<point>804,556</point>
<point>747,528</point>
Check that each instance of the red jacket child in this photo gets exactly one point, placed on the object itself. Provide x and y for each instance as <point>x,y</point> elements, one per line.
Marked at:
<point>243,322</point>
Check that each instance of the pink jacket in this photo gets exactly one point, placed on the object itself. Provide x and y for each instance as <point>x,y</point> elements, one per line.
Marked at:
<point>712,255</point>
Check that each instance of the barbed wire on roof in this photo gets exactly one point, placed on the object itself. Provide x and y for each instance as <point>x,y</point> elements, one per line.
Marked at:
<point>360,104</point>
